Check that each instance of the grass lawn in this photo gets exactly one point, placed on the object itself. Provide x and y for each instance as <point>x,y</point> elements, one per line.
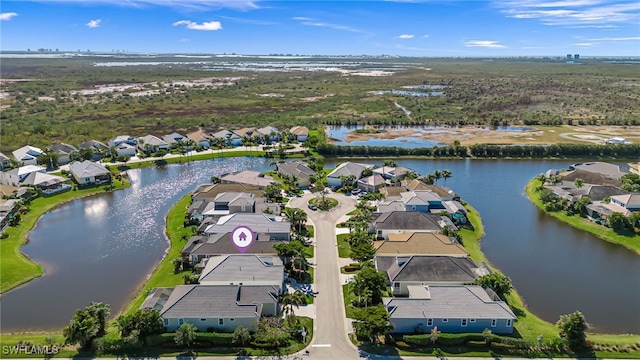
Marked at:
<point>348,298</point>
<point>163,275</point>
<point>344,250</point>
<point>15,267</point>
<point>630,241</point>
<point>196,157</point>
<point>331,202</point>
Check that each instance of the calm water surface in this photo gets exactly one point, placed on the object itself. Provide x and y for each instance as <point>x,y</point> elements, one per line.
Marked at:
<point>555,268</point>
<point>102,248</point>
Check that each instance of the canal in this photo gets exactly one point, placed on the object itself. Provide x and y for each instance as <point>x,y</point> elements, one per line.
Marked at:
<point>102,248</point>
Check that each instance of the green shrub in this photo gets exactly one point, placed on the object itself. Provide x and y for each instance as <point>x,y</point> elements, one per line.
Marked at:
<point>500,347</point>
<point>446,339</point>
<point>419,340</point>
<point>349,268</point>
<point>215,338</point>
<point>476,344</point>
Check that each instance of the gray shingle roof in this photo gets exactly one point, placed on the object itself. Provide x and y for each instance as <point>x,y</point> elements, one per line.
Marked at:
<point>407,220</point>
<point>349,168</point>
<point>249,177</point>
<point>220,244</point>
<point>243,268</point>
<point>87,169</point>
<point>456,302</point>
<point>297,168</point>
<point>608,170</point>
<point>62,148</point>
<point>433,268</point>
<point>256,222</point>
<point>207,301</point>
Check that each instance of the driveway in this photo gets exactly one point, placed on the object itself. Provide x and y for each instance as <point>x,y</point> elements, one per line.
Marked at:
<point>330,335</point>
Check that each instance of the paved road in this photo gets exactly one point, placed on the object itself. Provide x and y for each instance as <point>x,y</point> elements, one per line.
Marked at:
<point>330,335</point>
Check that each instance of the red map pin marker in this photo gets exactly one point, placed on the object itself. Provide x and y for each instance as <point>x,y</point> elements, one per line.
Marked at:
<point>242,238</point>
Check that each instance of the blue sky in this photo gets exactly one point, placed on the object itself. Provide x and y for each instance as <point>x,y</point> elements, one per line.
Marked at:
<point>402,27</point>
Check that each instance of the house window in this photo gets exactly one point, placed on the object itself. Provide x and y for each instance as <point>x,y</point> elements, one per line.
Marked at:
<point>232,319</point>
<point>445,320</point>
<point>472,320</point>
<point>166,322</point>
<point>493,322</point>
<point>509,322</point>
<point>87,179</point>
<point>220,322</point>
<point>203,320</point>
<point>464,322</point>
<point>429,322</point>
<point>180,321</point>
<point>396,285</point>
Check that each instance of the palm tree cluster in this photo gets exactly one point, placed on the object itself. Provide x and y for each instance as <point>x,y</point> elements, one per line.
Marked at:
<point>437,175</point>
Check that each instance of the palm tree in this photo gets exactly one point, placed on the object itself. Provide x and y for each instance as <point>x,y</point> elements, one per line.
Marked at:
<point>297,218</point>
<point>437,175</point>
<point>446,174</point>
<point>579,183</point>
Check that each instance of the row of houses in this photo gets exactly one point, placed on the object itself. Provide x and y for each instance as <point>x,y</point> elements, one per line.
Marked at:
<point>430,274</point>
<point>600,182</point>
<point>234,289</point>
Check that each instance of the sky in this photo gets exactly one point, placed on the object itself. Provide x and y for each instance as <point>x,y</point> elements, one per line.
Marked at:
<point>308,27</point>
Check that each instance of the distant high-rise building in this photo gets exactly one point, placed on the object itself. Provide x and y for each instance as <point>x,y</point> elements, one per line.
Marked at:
<point>576,56</point>
<point>569,56</point>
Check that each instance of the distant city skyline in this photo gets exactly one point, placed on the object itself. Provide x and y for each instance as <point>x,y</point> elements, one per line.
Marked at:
<point>394,27</point>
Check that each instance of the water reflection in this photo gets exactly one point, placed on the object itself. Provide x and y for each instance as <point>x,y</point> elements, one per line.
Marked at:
<point>95,210</point>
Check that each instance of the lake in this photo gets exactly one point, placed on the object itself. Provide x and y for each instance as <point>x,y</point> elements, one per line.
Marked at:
<point>102,248</point>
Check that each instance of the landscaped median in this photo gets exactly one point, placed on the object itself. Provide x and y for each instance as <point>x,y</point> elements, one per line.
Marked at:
<point>15,267</point>
<point>630,242</point>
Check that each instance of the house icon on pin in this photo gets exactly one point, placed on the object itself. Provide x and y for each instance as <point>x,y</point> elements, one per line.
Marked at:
<point>242,236</point>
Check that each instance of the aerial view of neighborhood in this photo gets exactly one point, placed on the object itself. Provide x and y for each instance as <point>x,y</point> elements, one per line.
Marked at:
<point>323,180</point>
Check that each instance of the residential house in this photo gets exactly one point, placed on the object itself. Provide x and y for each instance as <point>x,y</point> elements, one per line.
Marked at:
<point>151,143</point>
<point>269,131</point>
<point>346,169</point>
<point>28,155</point>
<point>89,173</point>
<point>64,152</point>
<point>201,138</point>
<point>568,190</point>
<point>173,138</point>
<point>452,309</point>
<point>630,202</point>
<point>609,171</point>
<point>229,203</point>
<point>15,177</point>
<point>258,223</point>
<point>201,247</point>
<point>425,201</point>
<point>226,137</point>
<point>219,307</point>
<point>208,192</point>
<point>393,172</point>
<point>99,149</point>
<point>392,193</point>
<point>298,169</point>
<point>405,271</point>
<point>245,132</point>
<point>599,211</point>
<point>398,222</point>
<point>444,193</point>
<point>248,177</point>
<point>8,208</point>
<point>299,133</point>
<point>126,149</point>
<point>7,191</point>
<point>244,269</point>
<point>47,183</point>
<point>123,139</point>
<point>5,162</point>
<point>371,183</point>
<point>634,168</point>
<point>419,244</point>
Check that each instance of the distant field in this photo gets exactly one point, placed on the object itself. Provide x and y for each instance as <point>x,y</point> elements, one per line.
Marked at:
<point>71,100</point>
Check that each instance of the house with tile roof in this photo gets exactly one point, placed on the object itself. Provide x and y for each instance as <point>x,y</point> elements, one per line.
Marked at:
<point>248,177</point>
<point>299,133</point>
<point>258,223</point>
<point>15,177</point>
<point>630,202</point>
<point>453,309</point>
<point>64,152</point>
<point>371,183</point>
<point>47,183</point>
<point>227,137</point>
<point>229,203</point>
<point>299,169</point>
<point>393,172</point>
<point>399,222</point>
<point>444,193</point>
<point>405,271</point>
<point>219,307</point>
<point>346,169</point>
<point>609,171</point>
<point>152,143</point>
<point>201,138</point>
<point>126,149</point>
<point>201,247</point>
<point>89,173</point>
<point>173,138</point>
<point>123,139</point>
<point>270,131</point>
<point>99,149</point>
<point>419,244</point>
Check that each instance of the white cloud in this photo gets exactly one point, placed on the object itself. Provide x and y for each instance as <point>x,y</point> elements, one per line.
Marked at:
<point>7,16</point>
<point>405,36</point>
<point>94,23</point>
<point>313,22</point>
<point>205,26</point>
<point>587,13</point>
<point>484,43</point>
<point>630,38</point>
<point>586,44</point>
<point>190,5</point>
<point>184,40</point>
<point>425,36</point>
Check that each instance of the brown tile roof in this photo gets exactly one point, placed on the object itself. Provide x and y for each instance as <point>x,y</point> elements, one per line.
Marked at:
<point>211,191</point>
<point>419,244</point>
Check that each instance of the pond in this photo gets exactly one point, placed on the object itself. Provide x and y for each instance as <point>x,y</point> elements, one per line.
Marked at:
<point>102,248</point>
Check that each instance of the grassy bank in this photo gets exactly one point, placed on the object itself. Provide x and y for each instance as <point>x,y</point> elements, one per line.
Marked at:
<point>15,268</point>
<point>196,157</point>
<point>630,242</point>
